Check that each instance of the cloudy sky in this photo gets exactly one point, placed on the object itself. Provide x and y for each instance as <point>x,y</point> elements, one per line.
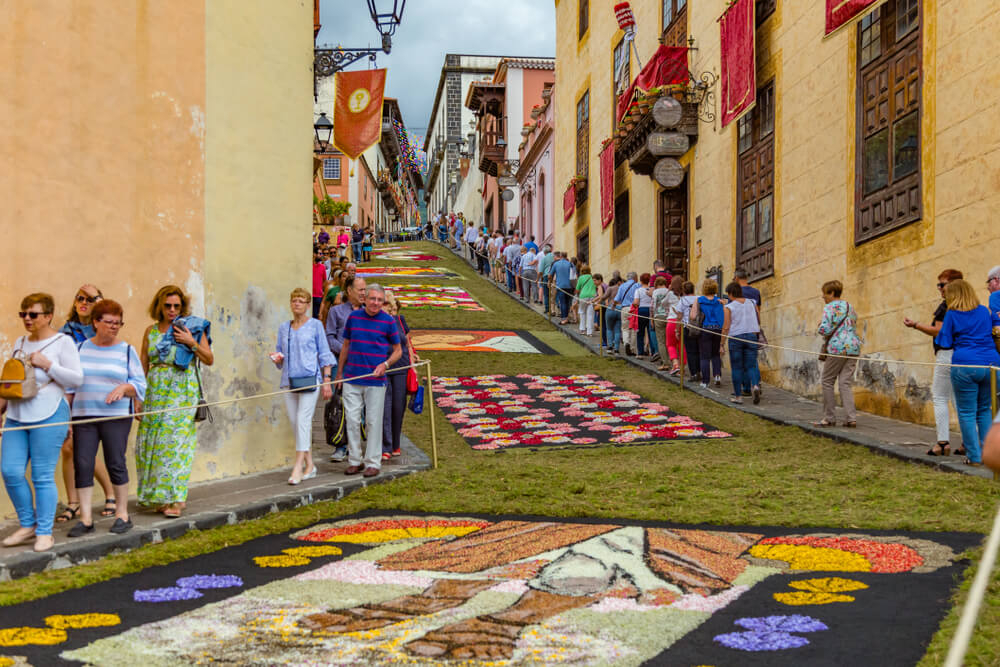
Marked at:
<point>431,28</point>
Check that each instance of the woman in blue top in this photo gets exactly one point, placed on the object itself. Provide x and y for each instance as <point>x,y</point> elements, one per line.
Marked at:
<point>710,336</point>
<point>79,326</point>
<point>301,353</point>
<point>968,329</point>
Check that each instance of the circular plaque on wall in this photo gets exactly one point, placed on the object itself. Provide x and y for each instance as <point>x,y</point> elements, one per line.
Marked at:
<point>667,112</point>
<point>507,195</point>
<point>668,172</point>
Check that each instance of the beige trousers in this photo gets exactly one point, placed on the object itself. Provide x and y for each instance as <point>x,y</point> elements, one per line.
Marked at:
<point>838,369</point>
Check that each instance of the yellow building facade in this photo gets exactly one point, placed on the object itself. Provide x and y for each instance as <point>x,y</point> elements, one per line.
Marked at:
<point>871,158</point>
<point>165,141</point>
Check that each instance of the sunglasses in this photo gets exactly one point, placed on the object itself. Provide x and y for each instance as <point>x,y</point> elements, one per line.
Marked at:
<point>31,314</point>
<point>80,298</point>
<point>941,285</point>
<point>172,306</point>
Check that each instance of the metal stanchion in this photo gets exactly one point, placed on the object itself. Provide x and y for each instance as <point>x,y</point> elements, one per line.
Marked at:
<point>430,408</point>
<point>683,361</point>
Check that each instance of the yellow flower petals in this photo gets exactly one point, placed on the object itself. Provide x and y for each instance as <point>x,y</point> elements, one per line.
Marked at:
<point>6,661</point>
<point>281,561</point>
<point>77,621</point>
<point>805,557</point>
<point>24,636</point>
<point>826,590</point>
<point>313,551</point>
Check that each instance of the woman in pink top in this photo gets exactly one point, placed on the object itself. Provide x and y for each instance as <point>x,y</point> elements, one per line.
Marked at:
<point>343,240</point>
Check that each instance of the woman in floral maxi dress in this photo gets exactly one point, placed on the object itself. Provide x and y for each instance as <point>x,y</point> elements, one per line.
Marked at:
<point>166,443</point>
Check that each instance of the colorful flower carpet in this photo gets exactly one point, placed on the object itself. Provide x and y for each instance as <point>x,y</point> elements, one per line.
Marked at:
<point>467,340</point>
<point>542,411</point>
<point>368,272</point>
<point>382,588</point>
<point>405,256</point>
<point>434,296</point>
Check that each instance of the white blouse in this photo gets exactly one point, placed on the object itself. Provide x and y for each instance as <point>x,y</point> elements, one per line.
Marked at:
<point>65,373</point>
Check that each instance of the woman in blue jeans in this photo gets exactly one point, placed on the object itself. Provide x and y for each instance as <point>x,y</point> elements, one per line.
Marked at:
<point>967,328</point>
<point>56,365</point>
<point>710,332</point>
<point>741,325</point>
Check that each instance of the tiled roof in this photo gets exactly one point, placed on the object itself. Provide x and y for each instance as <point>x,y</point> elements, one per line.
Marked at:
<point>531,63</point>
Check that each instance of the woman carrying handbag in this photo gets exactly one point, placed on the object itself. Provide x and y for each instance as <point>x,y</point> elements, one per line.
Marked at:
<point>839,330</point>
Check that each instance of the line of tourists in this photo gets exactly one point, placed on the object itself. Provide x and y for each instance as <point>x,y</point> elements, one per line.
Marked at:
<point>642,314</point>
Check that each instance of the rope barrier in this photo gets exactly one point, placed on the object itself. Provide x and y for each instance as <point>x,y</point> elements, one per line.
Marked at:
<point>226,401</point>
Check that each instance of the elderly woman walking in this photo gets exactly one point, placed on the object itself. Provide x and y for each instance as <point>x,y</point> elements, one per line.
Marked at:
<point>840,340</point>
<point>55,362</point>
<point>173,347</point>
<point>968,329</point>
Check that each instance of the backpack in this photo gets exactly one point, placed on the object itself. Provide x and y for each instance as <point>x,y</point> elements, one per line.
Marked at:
<point>17,380</point>
<point>335,421</point>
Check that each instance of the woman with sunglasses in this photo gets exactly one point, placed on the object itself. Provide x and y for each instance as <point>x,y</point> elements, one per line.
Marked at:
<point>112,378</point>
<point>56,365</point>
<point>165,444</point>
<point>941,389</point>
<point>79,326</point>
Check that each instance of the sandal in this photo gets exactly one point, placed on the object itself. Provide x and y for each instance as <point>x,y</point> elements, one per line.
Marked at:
<point>850,424</point>
<point>69,513</point>
<point>940,449</point>
<point>109,507</point>
<point>172,511</point>
<point>960,451</point>
<point>822,423</point>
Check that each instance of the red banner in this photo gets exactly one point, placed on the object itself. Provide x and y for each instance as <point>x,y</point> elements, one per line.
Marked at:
<point>569,203</point>
<point>357,111</point>
<point>607,184</point>
<point>668,65</point>
<point>739,69</point>
<point>841,12</point>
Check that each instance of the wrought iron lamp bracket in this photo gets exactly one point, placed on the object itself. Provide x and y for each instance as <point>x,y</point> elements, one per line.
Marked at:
<point>701,92</point>
<point>327,62</point>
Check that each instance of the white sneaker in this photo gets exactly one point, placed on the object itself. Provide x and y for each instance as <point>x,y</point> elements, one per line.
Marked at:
<point>339,454</point>
<point>704,386</point>
<point>718,380</point>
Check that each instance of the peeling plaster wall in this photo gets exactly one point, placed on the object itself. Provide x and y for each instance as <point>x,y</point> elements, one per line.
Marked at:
<point>258,211</point>
<point>103,137</point>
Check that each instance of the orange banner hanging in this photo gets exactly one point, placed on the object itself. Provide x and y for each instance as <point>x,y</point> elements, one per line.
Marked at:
<point>739,68</point>
<point>357,111</point>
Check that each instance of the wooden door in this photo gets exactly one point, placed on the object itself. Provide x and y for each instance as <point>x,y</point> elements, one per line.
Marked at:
<point>673,248</point>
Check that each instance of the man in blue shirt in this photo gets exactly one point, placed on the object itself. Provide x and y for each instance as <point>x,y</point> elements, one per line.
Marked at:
<point>371,345</point>
<point>459,231</point>
<point>564,286</point>
<point>510,254</point>
<point>531,245</point>
<point>993,284</point>
<point>544,271</point>
<point>623,302</point>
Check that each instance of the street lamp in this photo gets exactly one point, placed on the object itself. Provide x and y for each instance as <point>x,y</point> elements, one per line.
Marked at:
<point>386,14</point>
<point>324,130</point>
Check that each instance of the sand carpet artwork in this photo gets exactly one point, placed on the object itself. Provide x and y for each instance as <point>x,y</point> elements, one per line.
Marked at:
<point>434,296</point>
<point>369,272</point>
<point>385,588</point>
<point>541,411</point>
<point>405,256</point>
<point>468,340</point>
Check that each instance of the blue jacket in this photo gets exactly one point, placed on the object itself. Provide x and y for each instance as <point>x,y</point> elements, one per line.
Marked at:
<point>78,331</point>
<point>197,326</point>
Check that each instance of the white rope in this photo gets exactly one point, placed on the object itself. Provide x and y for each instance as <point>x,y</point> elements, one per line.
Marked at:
<point>772,346</point>
<point>967,622</point>
<point>225,401</point>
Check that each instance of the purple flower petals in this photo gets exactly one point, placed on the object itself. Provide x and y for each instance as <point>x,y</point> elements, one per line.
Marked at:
<point>771,633</point>
<point>210,581</point>
<point>170,594</point>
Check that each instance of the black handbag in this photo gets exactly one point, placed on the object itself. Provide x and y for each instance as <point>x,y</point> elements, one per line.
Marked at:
<point>335,421</point>
<point>202,413</point>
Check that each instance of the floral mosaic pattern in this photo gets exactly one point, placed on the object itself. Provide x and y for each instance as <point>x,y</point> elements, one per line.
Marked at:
<point>470,340</point>
<point>434,296</point>
<point>436,590</point>
<point>499,411</point>
<point>367,272</point>
<point>405,256</point>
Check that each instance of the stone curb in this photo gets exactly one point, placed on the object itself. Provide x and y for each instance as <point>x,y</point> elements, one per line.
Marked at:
<point>71,553</point>
<point>877,446</point>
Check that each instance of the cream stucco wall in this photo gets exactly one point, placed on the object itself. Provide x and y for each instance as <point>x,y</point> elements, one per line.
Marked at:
<point>815,83</point>
<point>158,142</point>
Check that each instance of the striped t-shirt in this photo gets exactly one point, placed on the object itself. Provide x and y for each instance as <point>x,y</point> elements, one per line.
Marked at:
<point>104,368</point>
<point>372,339</point>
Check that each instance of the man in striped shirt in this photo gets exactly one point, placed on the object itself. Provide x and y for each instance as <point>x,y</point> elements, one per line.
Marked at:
<point>371,345</point>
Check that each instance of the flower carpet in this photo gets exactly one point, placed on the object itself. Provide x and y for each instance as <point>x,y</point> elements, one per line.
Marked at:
<point>405,256</point>
<point>434,296</point>
<point>466,340</point>
<point>367,272</point>
<point>381,588</point>
<point>500,412</point>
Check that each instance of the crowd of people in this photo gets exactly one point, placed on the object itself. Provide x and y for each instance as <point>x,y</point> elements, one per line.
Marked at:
<point>657,317</point>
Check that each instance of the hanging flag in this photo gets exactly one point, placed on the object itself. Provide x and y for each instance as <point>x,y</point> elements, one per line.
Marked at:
<point>739,68</point>
<point>357,112</point>
<point>569,202</point>
<point>841,12</point>
<point>667,66</point>
<point>608,184</point>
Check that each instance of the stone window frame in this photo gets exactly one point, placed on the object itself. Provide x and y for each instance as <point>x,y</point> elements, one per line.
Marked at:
<point>755,186</point>
<point>888,187</point>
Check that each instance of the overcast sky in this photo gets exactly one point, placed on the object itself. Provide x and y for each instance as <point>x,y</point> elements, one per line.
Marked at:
<point>431,28</point>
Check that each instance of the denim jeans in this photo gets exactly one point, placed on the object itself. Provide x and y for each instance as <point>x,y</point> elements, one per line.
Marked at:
<point>563,299</point>
<point>646,333</point>
<point>41,448</point>
<point>356,250</point>
<point>972,402</point>
<point>613,328</point>
<point>743,361</point>
<point>394,411</point>
<point>545,293</point>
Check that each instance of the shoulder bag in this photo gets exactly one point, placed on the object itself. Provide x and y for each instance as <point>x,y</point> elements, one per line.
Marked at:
<point>17,380</point>
<point>304,383</point>
<point>202,413</point>
<point>823,351</point>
